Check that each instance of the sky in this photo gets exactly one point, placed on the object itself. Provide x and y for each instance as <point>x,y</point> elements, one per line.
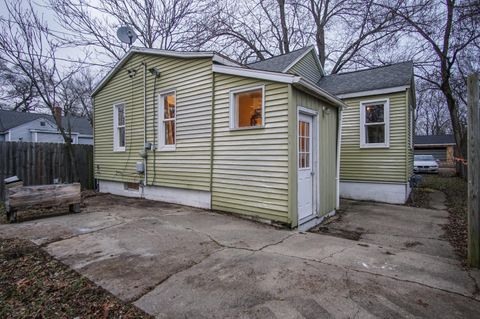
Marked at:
<point>65,54</point>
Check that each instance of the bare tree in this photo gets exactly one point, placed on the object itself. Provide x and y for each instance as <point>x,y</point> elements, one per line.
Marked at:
<point>27,47</point>
<point>164,24</point>
<point>443,30</point>
<point>18,92</point>
<point>431,115</point>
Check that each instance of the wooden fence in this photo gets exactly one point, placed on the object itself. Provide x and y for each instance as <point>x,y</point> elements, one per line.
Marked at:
<point>45,163</point>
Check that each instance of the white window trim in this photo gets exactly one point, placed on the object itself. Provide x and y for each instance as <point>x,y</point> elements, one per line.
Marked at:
<point>233,115</point>
<point>116,147</point>
<point>161,124</point>
<point>386,116</point>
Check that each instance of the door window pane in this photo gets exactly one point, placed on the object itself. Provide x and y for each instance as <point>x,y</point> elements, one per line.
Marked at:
<point>303,144</point>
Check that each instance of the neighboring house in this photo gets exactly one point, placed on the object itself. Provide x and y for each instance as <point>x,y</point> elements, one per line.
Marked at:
<point>225,136</point>
<point>196,128</point>
<point>442,147</point>
<point>377,127</point>
<point>41,128</point>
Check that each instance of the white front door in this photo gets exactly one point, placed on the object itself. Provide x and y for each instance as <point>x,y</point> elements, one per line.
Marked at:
<point>305,166</point>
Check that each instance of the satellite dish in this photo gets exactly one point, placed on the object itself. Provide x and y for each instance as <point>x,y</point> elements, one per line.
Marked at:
<point>126,35</point>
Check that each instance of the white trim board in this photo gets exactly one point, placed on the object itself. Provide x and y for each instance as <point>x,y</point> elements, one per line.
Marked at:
<point>188,197</point>
<point>386,123</point>
<point>375,191</point>
<point>282,78</point>
<point>374,92</point>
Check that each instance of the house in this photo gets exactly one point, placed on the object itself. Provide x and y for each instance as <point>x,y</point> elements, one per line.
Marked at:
<point>377,127</point>
<point>42,128</point>
<point>442,147</point>
<point>196,128</point>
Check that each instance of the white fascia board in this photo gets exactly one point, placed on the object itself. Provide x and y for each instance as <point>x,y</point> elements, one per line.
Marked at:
<point>374,92</point>
<point>322,93</point>
<point>176,54</point>
<point>257,74</point>
<point>279,77</point>
<point>322,71</point>
<point>50,132</point>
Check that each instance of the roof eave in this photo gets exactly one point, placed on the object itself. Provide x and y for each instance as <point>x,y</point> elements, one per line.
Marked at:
<point>322,93</point>
<point>184,55</point>
<point>282,78</point>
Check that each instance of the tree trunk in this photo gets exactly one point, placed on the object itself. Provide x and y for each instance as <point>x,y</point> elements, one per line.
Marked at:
<point>283,21</point>
<point>320,38</point>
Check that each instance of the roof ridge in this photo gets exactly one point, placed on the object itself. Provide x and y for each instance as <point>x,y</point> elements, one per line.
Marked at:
<point>373,68</point>
<point>276,56</point>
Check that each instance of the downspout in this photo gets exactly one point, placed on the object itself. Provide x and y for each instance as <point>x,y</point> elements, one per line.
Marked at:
<point>145,161</point>
<point>339,146</point>
<point>211,137</point>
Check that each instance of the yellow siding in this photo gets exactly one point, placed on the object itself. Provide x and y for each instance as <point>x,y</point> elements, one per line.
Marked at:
<point>307,67</point>
<point>189,166</point>
<point>250,167</point>
<point>382,164</point>
<point>327,148</point>
<point>411,133</point>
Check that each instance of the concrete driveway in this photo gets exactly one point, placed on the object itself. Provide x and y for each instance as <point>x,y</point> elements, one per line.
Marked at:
<point>174,261</point>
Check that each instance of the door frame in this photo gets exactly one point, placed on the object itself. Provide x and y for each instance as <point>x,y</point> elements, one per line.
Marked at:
<point>315,163</point>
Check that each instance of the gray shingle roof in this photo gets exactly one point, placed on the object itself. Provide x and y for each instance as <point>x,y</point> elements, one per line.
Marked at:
<point>280,62</point>
<point>10,119</point>
<point>433,140</point>
<point>388,76</point>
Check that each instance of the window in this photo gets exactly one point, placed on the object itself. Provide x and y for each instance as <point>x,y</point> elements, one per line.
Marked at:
<point>247,108</point>
<point>374,124</point>
<point>119,127</point>
<point>42,123</point>
<point>167,125</point>
<point>304,144</point>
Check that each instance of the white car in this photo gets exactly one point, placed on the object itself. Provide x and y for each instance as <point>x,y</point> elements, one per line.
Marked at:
<point>425,164</point>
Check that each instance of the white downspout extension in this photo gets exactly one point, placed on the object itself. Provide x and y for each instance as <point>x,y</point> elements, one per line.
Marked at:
<point>339,146</point>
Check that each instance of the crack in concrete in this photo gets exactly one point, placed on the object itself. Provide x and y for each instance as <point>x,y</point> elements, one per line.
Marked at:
<point>239,248</point>
<point>159,283</point>
<point>476,288</point>
<point>58,239</point>
<point>378,275</point>
<point>333,254</point>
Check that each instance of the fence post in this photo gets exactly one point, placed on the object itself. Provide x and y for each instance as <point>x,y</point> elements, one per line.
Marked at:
<point>473,172</point>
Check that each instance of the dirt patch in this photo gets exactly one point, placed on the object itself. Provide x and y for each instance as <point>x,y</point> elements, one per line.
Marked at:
<point>419,197</point>
<point>34,285</point>
<point>347,234</point>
